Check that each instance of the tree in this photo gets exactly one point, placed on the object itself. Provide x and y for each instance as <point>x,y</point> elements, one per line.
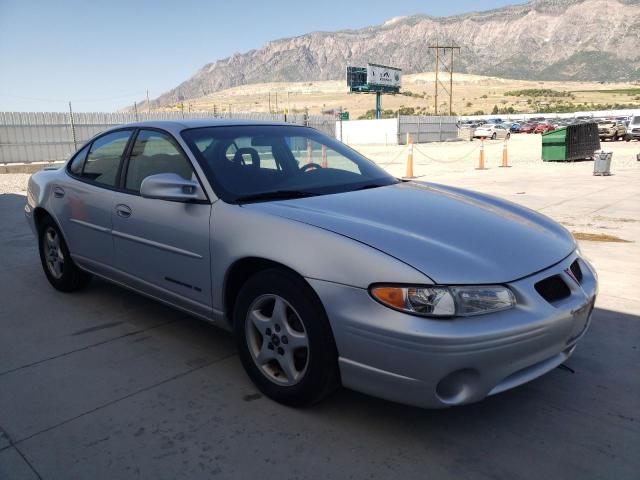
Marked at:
<point>495,110</point>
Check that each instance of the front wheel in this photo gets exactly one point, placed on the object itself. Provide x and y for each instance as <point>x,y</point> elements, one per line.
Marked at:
<point>493,137</point>
<point>62,273</point>
<point>284,339</point>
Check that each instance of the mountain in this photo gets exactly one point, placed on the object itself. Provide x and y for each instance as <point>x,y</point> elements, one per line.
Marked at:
<point>540,40</point>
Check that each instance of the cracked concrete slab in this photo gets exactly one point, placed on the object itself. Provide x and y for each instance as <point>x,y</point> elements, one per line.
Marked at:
<point>106,384</point>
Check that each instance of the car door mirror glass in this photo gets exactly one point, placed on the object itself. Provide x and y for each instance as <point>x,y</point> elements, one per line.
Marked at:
<point>170,186</point>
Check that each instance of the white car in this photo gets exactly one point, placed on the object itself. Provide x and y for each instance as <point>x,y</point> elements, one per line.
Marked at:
<point>492,131</point>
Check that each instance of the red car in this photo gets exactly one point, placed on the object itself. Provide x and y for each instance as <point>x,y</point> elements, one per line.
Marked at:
<point>528,127</point>
<point>543,127</point>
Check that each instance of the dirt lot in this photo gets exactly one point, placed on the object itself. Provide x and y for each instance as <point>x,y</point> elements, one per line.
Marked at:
<point>106,384</point>
<point>471,93</point>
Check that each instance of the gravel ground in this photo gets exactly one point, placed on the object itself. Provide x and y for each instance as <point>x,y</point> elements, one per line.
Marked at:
<point>14,183</point>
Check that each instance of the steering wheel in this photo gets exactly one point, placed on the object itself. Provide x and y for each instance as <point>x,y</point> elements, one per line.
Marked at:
<point>309,167</point>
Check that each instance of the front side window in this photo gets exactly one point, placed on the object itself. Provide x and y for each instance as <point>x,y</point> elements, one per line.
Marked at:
<point>244,162</point>
<point>104,158</point>
<point>153,153</point>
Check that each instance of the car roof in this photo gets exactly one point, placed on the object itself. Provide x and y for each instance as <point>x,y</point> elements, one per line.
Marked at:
<point>177,126</point>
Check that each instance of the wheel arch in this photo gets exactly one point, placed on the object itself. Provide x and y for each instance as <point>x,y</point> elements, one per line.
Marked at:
<point>244,268</point>
<point>39,214</point>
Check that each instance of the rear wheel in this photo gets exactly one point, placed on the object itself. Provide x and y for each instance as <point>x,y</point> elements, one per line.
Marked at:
<point>284,339</point>
<point>62,273</point>
<point>493,137</point>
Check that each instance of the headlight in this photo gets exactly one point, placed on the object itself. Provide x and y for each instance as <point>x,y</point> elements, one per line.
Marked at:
<point>441,301</point>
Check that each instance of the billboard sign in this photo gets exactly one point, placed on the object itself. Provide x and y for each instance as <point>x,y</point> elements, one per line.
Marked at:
<point>383,75</point>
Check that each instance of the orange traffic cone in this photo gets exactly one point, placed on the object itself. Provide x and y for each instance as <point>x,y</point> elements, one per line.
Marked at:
<point>505,156</point>
<point>481,159</point>
<point>324,164</point>
<point>309,150</point>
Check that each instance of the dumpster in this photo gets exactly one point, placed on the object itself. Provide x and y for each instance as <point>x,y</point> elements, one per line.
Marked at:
<point>554,145</point>
<point>602,163</point>
<point>575,142</point>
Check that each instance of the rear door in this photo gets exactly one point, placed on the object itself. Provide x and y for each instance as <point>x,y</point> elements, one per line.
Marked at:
<point>83,202</point>
<point>161,246</point>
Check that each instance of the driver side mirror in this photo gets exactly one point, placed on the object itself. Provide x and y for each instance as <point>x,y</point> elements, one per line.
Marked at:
<point>170,186</point>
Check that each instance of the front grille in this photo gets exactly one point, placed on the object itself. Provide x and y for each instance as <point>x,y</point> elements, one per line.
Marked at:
<point>576,270</point>
<point>552,289</point>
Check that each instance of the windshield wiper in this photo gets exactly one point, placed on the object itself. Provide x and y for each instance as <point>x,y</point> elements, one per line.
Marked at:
<point>275,195</point>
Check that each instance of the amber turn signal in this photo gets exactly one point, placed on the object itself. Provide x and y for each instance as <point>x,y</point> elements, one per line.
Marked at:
<point>391,296</point>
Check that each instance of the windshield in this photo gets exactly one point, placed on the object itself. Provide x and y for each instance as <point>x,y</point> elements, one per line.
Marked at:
<point>635,120</point>
<point>253,163</point>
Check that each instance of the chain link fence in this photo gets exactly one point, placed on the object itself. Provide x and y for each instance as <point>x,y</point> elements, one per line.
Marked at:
<point>27,137</point>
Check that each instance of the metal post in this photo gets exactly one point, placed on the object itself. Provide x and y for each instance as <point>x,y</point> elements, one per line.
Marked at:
<point>306,116</point>
<point>73,128</point>
<point>276,102</point>
<point>135,109</point>
<point>269,102</point>
<point>288,103</point>
<point>437,67</point>
<point>378,105</point>
<point>451,84</point>
<point>340,123</point>
<point>148,104</point>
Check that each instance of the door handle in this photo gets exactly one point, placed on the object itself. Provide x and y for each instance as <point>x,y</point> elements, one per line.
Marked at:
<point>58,192</point>
<point>123,211</point>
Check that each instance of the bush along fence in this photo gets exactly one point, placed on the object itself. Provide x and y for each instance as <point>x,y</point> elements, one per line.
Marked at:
<point>28,137</point>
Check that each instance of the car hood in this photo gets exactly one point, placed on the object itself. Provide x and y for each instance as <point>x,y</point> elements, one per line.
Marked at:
<point>451,235</point>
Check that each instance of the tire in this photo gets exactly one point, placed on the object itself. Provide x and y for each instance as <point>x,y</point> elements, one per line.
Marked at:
<point>312,373</point>
<point>494,136</point>
<point>508,136</point>
<point>61,271</point>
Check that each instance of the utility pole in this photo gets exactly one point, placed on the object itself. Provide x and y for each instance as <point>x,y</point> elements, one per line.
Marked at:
<point>73,128</point>
<point>135,109</point>
<point>148,104</point>
<point>447,68</point>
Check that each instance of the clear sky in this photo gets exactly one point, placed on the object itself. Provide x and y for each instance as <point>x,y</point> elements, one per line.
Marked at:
<point>103,55</point>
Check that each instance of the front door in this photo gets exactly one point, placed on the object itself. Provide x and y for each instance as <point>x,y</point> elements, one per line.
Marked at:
<point>161,246</point>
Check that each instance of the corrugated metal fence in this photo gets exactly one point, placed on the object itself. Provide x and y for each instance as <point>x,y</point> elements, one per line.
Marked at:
<point>425,129</point>
<point>27,137</point>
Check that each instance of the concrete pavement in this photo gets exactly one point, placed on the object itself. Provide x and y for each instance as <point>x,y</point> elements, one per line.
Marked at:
<point>107,384</point>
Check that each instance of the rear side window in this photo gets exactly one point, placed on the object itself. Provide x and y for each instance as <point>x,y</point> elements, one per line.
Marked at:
<point>77,163</point>
<point>153,153</point>
<point>104,158</point>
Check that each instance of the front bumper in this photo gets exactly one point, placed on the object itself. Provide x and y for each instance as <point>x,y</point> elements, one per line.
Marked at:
<point>438,363</point>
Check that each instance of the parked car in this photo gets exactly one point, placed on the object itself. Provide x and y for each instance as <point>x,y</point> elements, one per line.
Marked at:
<point>544,127</point>
<point>611,130</point>
<point>314,257</point>
<point>515,127</point>
<point>492,131</point>
<point>633,131</point>
<point>528,127</point>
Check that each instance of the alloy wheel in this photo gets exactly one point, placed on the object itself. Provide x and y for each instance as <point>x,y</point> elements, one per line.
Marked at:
<point>53,253</point>
<point>277,340</point>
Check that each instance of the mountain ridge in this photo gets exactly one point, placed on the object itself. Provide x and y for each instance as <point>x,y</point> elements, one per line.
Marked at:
<point>539,40</point>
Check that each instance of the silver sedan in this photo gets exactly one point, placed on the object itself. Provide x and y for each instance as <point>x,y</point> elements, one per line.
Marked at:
<point>328,270</point>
